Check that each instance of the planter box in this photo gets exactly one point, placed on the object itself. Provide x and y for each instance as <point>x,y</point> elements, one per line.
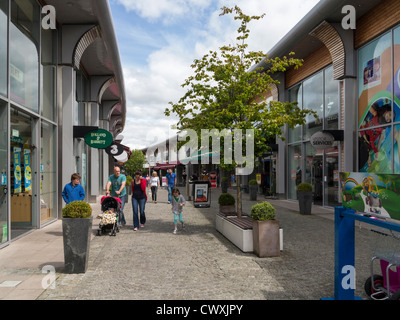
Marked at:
<point>228,210</point>
<point>305,201</point>
<point>266,237</point>
<point>253,192</point>
<point>76,237</point>
<point>242,238</point>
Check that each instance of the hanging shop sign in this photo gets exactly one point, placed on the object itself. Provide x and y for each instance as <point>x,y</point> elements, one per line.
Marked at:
<point>99,139</point>
<point>114,149</point>
<point>322,140</point>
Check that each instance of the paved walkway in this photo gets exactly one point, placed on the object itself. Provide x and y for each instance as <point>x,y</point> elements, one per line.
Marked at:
<point>198,263</point>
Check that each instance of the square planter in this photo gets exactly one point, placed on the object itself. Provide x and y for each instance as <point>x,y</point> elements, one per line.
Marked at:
<point>76,239</point>
<point>266,238</point>
<point>305,201</point>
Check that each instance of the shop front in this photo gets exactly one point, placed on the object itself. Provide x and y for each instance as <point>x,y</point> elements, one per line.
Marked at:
<point>306,163</point>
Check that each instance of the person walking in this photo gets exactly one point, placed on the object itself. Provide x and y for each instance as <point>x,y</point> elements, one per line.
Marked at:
<point>139,198</point>
<point>117,182</point>
<point>73,191</point>
<point>178,201</point>
<point>171,180</point>
<point>154,185</point>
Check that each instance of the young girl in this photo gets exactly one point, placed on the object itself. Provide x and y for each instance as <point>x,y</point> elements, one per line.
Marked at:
<point>177,201</point>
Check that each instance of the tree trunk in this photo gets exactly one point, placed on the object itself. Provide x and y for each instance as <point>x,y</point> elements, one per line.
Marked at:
<point>239,196</point>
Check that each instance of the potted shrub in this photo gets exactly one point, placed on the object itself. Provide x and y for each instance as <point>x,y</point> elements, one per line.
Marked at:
<point>265,230</point>
<point>224,184</point>
<point>253,186</point>
<point>226,203</point>
<point>77,229</point>
<point>305,197</point>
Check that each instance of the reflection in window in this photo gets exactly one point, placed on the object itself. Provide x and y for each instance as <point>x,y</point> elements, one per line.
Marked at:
<point>331,101</point>
<point>296,95</point>
<point>3,47</point>
<point>48,184</point>
<point>24,53</point>
<point>313,100</point>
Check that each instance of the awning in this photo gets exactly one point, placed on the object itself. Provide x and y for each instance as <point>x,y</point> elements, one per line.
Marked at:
<point>165,166</point>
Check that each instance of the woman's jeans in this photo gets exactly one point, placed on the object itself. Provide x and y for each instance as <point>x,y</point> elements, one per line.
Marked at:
<point>154,193</point>
<point>135,204</point>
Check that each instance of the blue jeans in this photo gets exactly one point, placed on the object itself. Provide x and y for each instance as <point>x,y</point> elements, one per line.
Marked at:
<point>170,187</point>
<point>123,201</point>
<point>135,204</point>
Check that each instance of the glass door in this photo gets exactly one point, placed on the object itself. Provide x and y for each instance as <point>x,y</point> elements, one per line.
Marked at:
<point>4,223</point>
<point>22,181</point>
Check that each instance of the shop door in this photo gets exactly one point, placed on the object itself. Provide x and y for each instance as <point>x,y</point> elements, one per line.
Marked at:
<point>4,221</point>
<point>22,181</point>
<point>331,177</point>
<point>314,172</point>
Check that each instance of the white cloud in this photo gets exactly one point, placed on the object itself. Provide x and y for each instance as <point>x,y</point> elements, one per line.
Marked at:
<point>150,87</point>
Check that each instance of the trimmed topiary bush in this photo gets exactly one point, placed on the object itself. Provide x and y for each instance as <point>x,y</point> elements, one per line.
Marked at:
<point>77,209</point>
<point>226,199</point>
<point>304,186</point>
<point>263,211</point>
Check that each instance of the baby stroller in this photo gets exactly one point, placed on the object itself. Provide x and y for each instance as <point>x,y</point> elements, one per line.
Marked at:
<point>110,215</point>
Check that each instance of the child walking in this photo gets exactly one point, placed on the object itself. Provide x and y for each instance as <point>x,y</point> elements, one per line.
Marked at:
<point>177,201</point>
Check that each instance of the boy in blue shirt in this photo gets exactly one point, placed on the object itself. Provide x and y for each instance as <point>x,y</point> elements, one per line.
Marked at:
<point>73,191</point>
<point>171,179</point>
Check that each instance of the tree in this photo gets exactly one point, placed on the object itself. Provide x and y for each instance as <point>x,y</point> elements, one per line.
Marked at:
<point>227,92</point>
<point>135,162</point>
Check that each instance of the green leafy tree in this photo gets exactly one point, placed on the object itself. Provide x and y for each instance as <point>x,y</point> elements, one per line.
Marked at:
<point>227,92</point>
<point>135,162</point>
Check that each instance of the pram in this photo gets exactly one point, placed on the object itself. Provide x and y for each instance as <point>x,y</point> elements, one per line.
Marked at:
<point>110,215</point>
<point>387,251</point>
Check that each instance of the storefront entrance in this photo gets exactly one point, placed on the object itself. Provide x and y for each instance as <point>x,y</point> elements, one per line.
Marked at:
<point>4,234</point>
<point>22,176</point>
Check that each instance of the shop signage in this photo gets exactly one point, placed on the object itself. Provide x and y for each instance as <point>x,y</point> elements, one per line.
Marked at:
<point>114,149</point>
<point>322,140</point>
<point>99,139</point>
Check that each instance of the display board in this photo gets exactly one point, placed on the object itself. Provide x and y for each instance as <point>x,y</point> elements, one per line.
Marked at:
<point>375,194</point>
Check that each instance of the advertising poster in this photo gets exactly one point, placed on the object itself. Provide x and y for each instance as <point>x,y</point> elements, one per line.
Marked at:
<point>27,170</point>
<point>200,192</point>
<point>374,194</point>
<point>378,77</point>
<point>17,170</point>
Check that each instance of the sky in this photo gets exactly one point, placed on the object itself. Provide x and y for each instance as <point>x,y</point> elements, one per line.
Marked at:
<point>158,40</point>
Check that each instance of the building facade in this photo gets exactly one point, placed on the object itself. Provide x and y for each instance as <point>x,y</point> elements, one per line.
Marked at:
<point>60,73</point>
<point>350,77</point>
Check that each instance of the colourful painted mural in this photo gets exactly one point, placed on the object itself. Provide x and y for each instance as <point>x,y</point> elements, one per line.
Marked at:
<point>375,194</point>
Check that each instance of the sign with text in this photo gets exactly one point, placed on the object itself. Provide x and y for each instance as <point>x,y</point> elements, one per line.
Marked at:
<point>99,139</point>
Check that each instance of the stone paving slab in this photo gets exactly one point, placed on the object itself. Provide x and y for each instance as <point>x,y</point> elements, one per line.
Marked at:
<point>199,263</point>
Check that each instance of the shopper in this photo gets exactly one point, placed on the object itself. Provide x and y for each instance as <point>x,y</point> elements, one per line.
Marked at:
<point>178,201</point>
<point>117,182</point>
<point>171,180</point>
<point>139,198</point>
<point>154,185</point>
<point>73,191</point>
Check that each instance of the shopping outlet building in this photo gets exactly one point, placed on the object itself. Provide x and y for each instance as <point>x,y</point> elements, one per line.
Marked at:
<point>56,79</point>
<point>350,77</point>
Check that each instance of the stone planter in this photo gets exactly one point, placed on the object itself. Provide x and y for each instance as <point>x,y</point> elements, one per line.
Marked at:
<point>266,238</point>
<point>224,186</point>
<point>76,238</point>
<point>228,210</point>
<point>253,192</point>
<point>305,201</point>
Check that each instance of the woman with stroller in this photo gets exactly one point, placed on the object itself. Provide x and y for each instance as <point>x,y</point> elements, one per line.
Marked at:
<point>139,198</point>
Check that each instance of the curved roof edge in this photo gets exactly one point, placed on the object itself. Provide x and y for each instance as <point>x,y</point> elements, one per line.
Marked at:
<point>110,39</point>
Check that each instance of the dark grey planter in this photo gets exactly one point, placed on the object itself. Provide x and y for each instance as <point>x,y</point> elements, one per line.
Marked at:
<point>76,237</point>
<point>224,186</point>
<point>305,201</point>
<point>253,192</point>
